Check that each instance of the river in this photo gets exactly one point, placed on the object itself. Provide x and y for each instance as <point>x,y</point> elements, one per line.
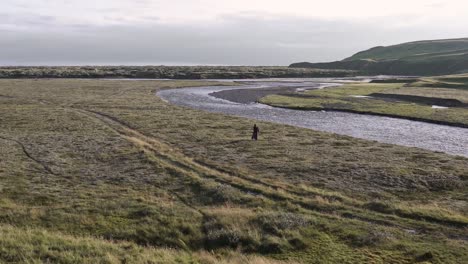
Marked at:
<point>447,139</point>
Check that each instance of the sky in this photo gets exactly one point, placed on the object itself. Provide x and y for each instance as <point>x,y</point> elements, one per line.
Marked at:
<point>215,32</point>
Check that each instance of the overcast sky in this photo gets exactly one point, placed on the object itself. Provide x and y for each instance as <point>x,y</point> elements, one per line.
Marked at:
<point>215,32</point>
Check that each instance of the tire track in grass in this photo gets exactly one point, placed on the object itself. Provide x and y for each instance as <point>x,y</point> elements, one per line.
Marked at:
<point>184,164</point>
<point>181,164</point>
<point>30,156</point>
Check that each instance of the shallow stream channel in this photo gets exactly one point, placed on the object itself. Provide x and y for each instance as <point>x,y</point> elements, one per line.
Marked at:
<point>241,100</point>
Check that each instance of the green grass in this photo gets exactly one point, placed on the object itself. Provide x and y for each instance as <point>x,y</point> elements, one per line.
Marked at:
<point>459,81</point>
<point>102,171</point>
<point>38,246</point>
<point>414,100</point>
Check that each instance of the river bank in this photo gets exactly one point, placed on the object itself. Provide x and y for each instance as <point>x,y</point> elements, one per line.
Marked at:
<point>452,140</point>
<point>399,100</point>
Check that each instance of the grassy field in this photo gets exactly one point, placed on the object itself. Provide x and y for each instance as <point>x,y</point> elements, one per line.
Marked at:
<point>96,171</point>
<point>412,100</point>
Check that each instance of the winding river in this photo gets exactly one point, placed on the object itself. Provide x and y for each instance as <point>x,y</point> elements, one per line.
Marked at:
<point>451,140</point>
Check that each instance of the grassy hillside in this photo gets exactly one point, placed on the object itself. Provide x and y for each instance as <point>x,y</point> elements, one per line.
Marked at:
<point>435,57</point>
<point>95,171</point>
<point>422,49</point>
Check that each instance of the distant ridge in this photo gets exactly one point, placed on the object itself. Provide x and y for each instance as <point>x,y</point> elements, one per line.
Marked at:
<point>426,57</point>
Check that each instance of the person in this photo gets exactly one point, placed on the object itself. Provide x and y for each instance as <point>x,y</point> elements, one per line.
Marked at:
<point>256,130</point>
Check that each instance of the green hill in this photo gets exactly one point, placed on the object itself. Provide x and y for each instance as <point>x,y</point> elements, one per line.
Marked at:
<point>427,48</point>
<point>430,57</point>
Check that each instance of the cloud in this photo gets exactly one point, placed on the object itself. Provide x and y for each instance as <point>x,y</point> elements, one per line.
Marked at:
<point>122,32</point>
<point>209,11</point>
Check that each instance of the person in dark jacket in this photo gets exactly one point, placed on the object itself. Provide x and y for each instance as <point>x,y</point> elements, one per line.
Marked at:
<point>256,130</point>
